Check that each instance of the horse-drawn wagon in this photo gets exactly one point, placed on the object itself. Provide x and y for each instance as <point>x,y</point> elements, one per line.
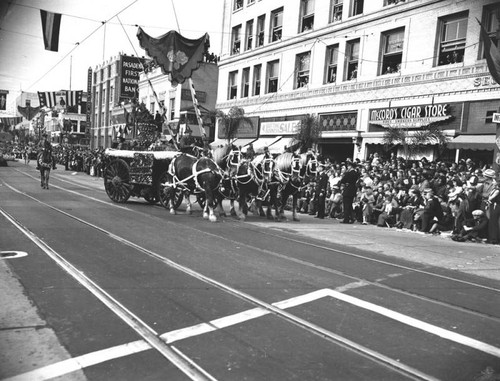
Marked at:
<point>136,173</point>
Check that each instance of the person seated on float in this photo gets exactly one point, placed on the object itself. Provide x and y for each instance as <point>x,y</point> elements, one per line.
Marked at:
<point>187,142</point>
<point>250,154</point>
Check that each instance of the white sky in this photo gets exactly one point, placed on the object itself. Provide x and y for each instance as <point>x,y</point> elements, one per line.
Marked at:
<point>26,65</point>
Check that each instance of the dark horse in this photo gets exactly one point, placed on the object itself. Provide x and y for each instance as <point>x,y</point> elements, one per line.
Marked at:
<point>45,163</point>
<point>257,179</point>
<point>294,171</point>
<point>188,175</point>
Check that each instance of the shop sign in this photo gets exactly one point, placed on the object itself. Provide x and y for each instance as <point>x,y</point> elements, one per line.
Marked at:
<point>410,116</point>
<point>247,128</point>
<point>289,127</point>
<point>496,117</point>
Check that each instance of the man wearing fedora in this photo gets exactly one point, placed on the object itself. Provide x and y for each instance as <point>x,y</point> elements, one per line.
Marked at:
<point>349,180</point>
<point>187,141</point>
<point>321,187</point>
<point>486,187</point>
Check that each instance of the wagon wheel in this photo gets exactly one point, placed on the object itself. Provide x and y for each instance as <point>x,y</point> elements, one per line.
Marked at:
<point>117,181</point>
<point>163,192</point>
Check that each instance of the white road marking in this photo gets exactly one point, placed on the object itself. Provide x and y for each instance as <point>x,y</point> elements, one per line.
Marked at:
<point>77,363</point>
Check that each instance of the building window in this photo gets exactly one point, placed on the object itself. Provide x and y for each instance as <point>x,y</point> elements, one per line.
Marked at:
<point>235,40</point>
<point>352,60</point>
<point>393,2</point>
<point>238,4</point>
<point>260,30</point>
<point>302,63</point>
<point>332,56</point>
<point>392,54</point>
<point>491,25</point>
<point>249,35</point>
<point>257,69</point>
<point>111,94</point>
<point>245,82</point>
<point>276,24</point>
<point>307,15</point>
<point>232,85</point>
<point>336,10</point>
<point>453,32</point>
<point>171,105</point>
<point>250,2</point>
<point>357,7</point>
<point>272,76</point>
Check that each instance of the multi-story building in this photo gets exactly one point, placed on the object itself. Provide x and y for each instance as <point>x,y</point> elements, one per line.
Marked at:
<point>362,67</point>
<point>177,103</point>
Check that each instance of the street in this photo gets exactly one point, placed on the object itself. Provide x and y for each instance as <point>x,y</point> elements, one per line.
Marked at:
<point>131,292</point>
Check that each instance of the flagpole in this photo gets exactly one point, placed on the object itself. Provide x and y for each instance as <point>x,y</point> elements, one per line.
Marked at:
<point>70,70</point>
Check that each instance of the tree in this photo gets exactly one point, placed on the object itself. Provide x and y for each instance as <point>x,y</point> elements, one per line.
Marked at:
<point>308,133</point>
<point>232,122</point>
<point>414,142</point>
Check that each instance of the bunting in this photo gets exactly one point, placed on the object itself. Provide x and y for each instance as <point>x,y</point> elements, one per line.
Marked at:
<point>60,99</point>
<point>492,55</point>
<point>176,55</point>
<point>51,23</point>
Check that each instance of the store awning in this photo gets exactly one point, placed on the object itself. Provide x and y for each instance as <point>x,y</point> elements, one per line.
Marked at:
<point>243,142</point>
<point>260,143</point>
<point>378,141</point>
<point>473,142</point>
<point>279,146</point>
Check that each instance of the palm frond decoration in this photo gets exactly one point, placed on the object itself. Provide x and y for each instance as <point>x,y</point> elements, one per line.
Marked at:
<point>231,121</point>
<point>308,133</point>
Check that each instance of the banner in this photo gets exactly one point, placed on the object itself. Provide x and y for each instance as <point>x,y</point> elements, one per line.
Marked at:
<point>492,55</point>
<point>59,99</point>
<point>176,55</point>
<point>51,23</point>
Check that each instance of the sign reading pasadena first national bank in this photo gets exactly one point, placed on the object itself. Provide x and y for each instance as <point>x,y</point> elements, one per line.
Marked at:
<point>410,116</point>
<point>289,127</point>
<point>131,67</point>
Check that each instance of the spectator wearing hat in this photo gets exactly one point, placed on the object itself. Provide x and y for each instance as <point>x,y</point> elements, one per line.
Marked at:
<point>486,187</point>
<point>432,210</point>
<point>349,180</point>
<point>475,229</point>
<point>334,203</point>
<point>321,188</point>
<point>494,215</point>
<point>367,200</point>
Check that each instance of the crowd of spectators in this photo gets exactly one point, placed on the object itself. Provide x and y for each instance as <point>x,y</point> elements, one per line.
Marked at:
<point>460,199</point>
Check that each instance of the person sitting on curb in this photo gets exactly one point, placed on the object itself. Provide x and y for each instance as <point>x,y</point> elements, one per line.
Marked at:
<point>474,230</point>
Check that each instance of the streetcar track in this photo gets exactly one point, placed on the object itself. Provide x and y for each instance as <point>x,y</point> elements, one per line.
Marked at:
<point>309,264</point>
<point>312,265</point>
<point>366,352</point>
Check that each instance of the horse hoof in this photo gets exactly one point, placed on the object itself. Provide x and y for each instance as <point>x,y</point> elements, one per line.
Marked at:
<point>212,218</point>
<point>205,216</point>
<point>242,217</point>
<point>172,211</point>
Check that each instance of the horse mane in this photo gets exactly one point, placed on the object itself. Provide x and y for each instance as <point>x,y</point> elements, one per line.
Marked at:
<point>284,161</point>
<point>220,153</point>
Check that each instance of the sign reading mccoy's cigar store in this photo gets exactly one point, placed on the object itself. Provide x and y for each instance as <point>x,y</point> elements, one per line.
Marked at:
<point>409,116</point>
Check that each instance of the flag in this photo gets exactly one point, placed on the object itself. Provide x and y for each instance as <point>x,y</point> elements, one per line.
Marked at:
<point>492,55</point>
<point>47,98</point>
<point>176,55</point>
<point>73,98</point>
<point>51,23</point>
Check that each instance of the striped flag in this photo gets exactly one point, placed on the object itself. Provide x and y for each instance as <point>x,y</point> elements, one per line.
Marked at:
<point>47,98</point>
<point>73,98</point>
<point>51,23</point>
<point>492,55</point>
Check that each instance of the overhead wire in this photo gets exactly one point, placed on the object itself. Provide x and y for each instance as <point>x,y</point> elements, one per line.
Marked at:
<point>79,43</point>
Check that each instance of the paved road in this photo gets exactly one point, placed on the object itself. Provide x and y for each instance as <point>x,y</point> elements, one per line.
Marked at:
<point>254,300</point>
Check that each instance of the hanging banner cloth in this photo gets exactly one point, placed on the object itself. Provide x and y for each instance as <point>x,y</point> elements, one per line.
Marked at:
<point>176,55</point>
<point>28,112</point>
